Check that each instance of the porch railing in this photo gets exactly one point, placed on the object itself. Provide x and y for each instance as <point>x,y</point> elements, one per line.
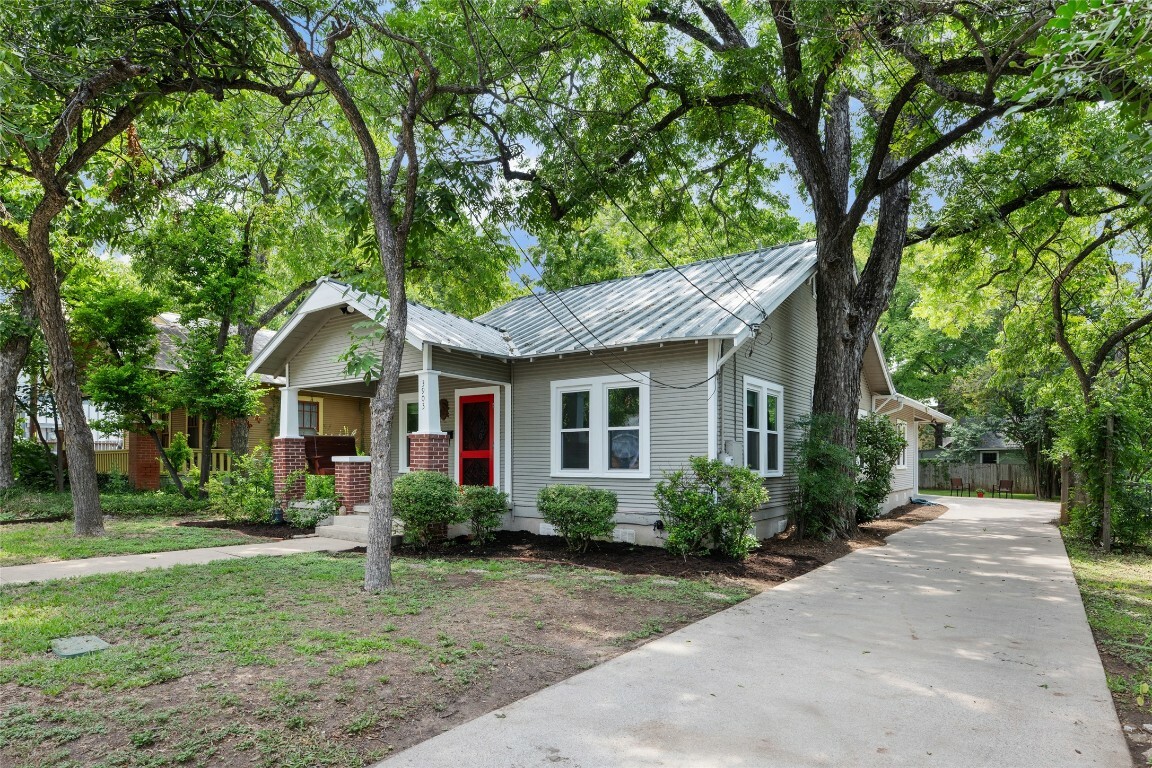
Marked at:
<point>107,460</point>
<point>221,460</point>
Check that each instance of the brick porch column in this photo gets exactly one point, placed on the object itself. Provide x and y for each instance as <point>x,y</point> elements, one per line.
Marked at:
<point>353,481</point>
<point>428,452</point>
<point>288,457</point>
<point>288,450</point>
<point>143,462</point>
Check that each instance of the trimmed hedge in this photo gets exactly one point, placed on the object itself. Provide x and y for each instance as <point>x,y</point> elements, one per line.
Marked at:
<point>579,513</point>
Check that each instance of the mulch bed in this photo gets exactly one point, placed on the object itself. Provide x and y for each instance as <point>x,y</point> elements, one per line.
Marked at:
<point>266,530</point>
<point>777,560</point>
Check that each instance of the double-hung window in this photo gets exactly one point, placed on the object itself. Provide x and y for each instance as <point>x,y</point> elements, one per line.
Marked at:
<point>600,427</point>
<point>409,422</point>
<point>763,429</point>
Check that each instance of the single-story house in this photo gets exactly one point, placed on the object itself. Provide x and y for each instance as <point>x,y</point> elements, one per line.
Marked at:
<point>610,384</point>
<point>317,415</point>
<point>993,448</point>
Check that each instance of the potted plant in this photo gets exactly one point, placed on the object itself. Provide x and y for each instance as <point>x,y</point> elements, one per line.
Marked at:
<point>979,493</point>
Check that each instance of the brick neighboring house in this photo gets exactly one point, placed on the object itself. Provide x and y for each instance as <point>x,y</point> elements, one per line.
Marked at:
<point>318,414</point>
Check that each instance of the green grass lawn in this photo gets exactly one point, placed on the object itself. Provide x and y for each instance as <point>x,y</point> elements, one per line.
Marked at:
<point>22,543</point>
<point>1117,592</point>
<point>287,662</point>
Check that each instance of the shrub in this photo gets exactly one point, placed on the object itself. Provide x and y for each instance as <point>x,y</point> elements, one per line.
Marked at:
<point>710,508</point>
<point>245,494</point>
<point>114,481</point>
<point>824,478</point>
<point>178,451</point>
<point>319,502</point>
<point>425,501</point>
<point>150,504</point>
<point>878,446</point>
<point>579,513</point>
<point>33,465</point>
<point>483,508</point>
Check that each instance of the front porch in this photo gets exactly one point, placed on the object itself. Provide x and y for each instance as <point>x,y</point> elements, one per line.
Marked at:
<point>448,422</point>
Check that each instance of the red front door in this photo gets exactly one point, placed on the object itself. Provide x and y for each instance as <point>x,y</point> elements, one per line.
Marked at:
<point>475,429</point>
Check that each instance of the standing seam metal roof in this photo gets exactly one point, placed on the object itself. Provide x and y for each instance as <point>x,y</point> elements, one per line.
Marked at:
<point>659,305</point>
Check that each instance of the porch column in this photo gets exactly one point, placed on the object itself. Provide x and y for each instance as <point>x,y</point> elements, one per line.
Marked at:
<point>428,448</point>
<point>288,455</point>
<point>353,481</point>
<point>143,462</point>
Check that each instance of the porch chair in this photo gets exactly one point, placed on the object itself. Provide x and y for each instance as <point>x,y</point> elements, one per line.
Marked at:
<point>957,485</point>
<point>1004,488</point>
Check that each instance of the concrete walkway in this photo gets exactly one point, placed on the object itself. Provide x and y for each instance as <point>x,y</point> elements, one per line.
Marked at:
<point>23,574</point>
<point>962,643</point>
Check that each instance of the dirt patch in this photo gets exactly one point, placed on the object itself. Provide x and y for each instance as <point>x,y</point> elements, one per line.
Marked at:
<point>777,560</point>
<point>253,529</point>
<point>362,677</point>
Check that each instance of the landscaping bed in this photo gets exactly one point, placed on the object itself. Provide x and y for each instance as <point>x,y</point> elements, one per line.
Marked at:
<point>776,560</point>
<point>1117,593</point>
<point>266,530</point>
<point>287,662</point>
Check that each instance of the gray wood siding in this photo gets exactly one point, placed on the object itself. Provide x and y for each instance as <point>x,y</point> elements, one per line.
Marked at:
<point>466,364</point>
<point>448,391</point>
<point>318,362</point>
<point>678,421</point>
<point>784,353</point>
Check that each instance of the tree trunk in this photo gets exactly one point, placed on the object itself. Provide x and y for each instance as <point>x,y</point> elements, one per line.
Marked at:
<point>1065,487</point>
<point>241,427</point>
<point>207,434</point>
<point>1106,497</point>
<point>12,356</point>
<point>40,267</point>
<point>839,358</point>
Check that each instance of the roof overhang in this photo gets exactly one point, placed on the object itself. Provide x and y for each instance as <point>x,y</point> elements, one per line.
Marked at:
<point>909,408</point>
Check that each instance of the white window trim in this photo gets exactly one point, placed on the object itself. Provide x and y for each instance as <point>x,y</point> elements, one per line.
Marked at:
<point>765,388</point>
<point>402,403</point>
<point>598,425</point>
<point>902,460</point>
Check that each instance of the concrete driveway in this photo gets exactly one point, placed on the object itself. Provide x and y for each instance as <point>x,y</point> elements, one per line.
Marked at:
<point>961,643</point>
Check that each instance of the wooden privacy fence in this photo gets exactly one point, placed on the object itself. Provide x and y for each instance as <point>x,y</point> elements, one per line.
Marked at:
<point>107,460</point>
<point>936,476</point>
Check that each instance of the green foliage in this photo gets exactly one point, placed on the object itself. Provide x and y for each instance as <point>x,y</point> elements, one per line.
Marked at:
<point>178,451</point>
<point>319,502</point>
<point>824,473</point>
<point>710,508</point>
<point>425,501</point>
<point>245,494</point>
<point>19,504</point>
<point>579,513</point>
<point>212,381</point>
<point>483,508</point>
<point>115,481</point>
<point>319,487</point>
<point>878,447</point>
<point>33,465</point>
<point>111,309</point>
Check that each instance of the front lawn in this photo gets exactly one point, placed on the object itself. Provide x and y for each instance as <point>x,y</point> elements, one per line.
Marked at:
<point>1117,593</point>
<point>23,543</point>
<point>287,662</point>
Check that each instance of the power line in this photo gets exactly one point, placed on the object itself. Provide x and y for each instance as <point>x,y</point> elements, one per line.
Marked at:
<point>584,165</point>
